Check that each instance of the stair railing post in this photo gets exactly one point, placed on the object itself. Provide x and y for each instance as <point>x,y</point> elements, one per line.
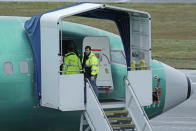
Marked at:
<point>82,121</point>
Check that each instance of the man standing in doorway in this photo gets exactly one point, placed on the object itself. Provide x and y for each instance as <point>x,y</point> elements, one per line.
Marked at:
<point>90,64</point>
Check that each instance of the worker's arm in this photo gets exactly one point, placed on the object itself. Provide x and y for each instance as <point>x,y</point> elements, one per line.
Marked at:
<point>66,61</point>
<point>94,66</point>
<point>80,65</point>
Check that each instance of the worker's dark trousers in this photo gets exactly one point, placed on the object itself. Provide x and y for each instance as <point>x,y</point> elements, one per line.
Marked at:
<point>94,86</point>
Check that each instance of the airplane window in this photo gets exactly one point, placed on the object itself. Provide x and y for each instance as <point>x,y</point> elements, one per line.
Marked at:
<point>8,68</point>
<point>118,57</point>
<point>24,67</point>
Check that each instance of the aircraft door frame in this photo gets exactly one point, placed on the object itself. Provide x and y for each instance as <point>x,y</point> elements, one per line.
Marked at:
<point>101,48</point>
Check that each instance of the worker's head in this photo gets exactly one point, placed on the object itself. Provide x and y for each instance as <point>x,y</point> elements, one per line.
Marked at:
<point>69,46</point>
<point>87,50</point>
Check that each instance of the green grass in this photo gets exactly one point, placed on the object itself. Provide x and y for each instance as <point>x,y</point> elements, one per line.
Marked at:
<point>173,27</point>
<point>178,53</point>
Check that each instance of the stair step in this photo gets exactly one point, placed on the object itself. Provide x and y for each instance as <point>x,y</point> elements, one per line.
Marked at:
<point>116,112</point>
<point>122,120</point>
<point>123,126</point>
<point>119,118</point>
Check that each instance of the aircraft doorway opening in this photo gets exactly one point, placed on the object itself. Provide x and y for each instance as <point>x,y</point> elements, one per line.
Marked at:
<point>101,48</point>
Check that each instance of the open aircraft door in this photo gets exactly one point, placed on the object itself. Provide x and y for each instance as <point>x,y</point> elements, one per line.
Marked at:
<point>140,73</point>
<point>101,48</point>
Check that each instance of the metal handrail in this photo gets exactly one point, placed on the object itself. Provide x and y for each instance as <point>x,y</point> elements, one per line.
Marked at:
<point>138,103</point>
<point>98,102</point>
<point>141,48</point>
<point>140,67</point>
<point>71,71</point>
<point>137,98</point>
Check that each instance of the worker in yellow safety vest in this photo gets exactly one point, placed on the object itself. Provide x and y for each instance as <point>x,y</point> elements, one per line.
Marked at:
<point>142,65</point>
<point>133,65</point>
<point>90,64</point>
<point>72,64</point>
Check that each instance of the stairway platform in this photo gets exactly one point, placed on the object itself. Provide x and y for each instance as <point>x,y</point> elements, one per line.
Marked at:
<point>109,105</point>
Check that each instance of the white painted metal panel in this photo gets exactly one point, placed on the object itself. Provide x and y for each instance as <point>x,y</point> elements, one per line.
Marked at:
<point>52,18</point>
<point>49,66</point>
<point>101,43</point>
<point>71,92</point>
<point>110,105</point>
<point>141,82</point>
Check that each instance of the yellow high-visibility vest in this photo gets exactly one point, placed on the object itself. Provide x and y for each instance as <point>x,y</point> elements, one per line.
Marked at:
<point>133,65</point>
<point>71,64</point>
<point>142,65</point>
<point>93,63</point>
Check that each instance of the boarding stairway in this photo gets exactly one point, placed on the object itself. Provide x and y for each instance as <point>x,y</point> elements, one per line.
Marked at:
<point>120,120</point>
<point>128,117</point>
